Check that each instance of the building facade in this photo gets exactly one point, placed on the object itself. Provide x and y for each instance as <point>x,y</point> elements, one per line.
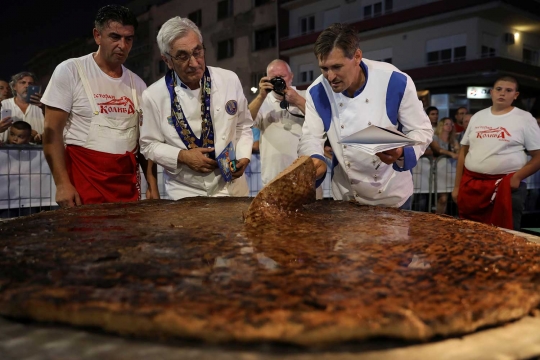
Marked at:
<point>453,49</point>
<point>239,35</point>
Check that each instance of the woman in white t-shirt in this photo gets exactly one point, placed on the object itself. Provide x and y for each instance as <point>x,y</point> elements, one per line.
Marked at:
<point>444,144</point>
<point>492,163</point>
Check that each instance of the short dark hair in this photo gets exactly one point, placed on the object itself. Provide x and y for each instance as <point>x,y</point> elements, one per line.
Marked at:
<point>337,35</point>
<point>509,79</point>
<point>116,13</point>
<point>22,125</point>
<point>430,109</point>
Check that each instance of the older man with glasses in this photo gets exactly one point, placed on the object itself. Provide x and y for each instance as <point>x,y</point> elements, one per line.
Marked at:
<point>192,115</point>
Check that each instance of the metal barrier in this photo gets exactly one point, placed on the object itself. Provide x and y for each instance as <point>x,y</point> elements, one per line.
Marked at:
<point>443,175</point>
<point>26,182</point>
<point>27,185</point>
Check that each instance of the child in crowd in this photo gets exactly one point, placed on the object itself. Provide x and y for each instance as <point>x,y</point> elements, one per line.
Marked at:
<point>20,133</point>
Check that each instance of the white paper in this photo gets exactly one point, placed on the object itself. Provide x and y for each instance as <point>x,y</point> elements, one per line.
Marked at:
<point>375,139</point>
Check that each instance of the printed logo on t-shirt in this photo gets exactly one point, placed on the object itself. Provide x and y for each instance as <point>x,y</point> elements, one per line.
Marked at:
<point>485,132</point>
<point>115,106</point>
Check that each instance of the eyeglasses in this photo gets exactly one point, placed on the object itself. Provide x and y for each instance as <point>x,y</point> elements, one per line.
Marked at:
<point>185,56</point>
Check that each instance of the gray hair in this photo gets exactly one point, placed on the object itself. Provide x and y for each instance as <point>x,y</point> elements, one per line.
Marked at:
<point>278,62</point>
<point>175,28</point>
<point>18,77</point>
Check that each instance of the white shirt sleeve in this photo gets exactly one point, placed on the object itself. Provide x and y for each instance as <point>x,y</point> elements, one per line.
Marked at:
<point>465,138</point>
<point>532,134</point>
<point>414,119</point>
<point>152,141</point>
<point>312,139</point>
<point>59,92</point>
<point>244,135</point>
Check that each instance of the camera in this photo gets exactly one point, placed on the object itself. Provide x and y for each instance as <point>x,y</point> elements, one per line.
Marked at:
<point>279,84</point>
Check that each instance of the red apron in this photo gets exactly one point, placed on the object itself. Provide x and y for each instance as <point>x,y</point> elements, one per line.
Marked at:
<point>483,198</point>
<point>101,177</point>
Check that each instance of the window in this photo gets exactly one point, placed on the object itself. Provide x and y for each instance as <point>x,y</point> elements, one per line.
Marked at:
<point>460,53</point>
<point>489,45</point>
<point>224,9</point>
<point>487,51</point>
<point>307,73</point>
<point>225,49</point>
<point>367,11</point>
<point>530,56</point>
<point>446,56</point>
<point>265,38</point>
<point>306,76</point>
<point>446,50</point>
<point>388,6</point>
<point>376,9</point>
<point>307,24</point>
<point>196,17</point>
<point>261,2</point>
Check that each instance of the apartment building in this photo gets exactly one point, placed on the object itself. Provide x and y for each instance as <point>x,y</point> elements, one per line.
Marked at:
<point>453,49</point>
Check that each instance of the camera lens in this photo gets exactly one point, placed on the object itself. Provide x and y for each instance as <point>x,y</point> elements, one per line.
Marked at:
<point>279,84</point>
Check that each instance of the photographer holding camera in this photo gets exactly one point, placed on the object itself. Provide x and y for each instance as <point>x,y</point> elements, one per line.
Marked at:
<point>278,111</point>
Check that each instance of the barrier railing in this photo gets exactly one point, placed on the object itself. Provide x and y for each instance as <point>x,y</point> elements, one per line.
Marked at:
<point>27,186</point>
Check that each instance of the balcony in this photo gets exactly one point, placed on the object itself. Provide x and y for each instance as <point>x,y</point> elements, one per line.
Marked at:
<point>479,72</point>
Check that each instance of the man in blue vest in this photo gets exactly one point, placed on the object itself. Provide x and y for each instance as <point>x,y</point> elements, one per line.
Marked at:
<point>351,94</point>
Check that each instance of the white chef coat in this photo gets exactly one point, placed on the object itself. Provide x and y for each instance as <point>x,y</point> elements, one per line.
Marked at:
<point>388,99</point>
<point>161,143</point>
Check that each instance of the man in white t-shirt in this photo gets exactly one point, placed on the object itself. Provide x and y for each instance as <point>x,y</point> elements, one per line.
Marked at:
<point>23,110</point>
<point>492,165</point>
<point>279,114</point>
<point>93,109</point>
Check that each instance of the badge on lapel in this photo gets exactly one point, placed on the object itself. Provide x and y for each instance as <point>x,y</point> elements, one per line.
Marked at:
<point>231,107</point>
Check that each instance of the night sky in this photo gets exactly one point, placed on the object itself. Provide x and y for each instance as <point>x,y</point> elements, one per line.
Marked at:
<point>29,26</point>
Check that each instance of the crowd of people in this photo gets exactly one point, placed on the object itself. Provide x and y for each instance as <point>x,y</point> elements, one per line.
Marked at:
<point>99,122</point>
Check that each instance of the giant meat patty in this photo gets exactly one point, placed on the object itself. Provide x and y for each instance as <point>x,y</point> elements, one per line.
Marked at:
<point>333,272</point>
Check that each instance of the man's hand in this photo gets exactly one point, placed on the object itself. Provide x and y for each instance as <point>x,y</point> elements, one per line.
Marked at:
<point>265,87</point>
<point>390,156</point>
<point>36,137</point>
<point>152,194</point>
<point>455,194</point>
<point>67,196</point>
<point>514,182</point>
<point>293,97</point>
<point>320,168</point>
<point>5,123</point>
<point>196,159</point>
<point>240,167</point>
<point>36,100</point>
